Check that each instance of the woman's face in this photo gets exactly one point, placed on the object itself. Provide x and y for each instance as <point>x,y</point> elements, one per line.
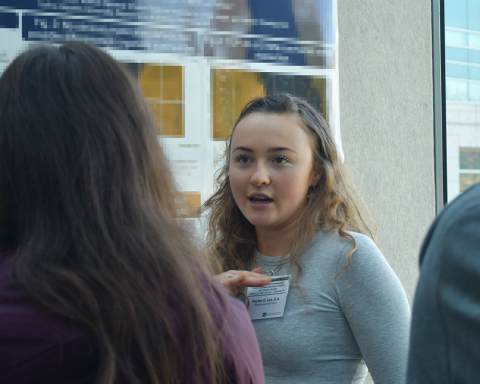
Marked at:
<point>271,169</point>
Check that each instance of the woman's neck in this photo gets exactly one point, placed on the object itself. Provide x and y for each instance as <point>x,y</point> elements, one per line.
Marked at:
<point>275,243</point>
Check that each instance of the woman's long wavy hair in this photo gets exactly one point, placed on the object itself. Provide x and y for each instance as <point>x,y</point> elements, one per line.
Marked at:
<point>333,204</point>
<point>91,218</point>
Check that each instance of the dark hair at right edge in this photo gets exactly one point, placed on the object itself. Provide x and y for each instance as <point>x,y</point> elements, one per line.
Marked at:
<point>333,204</point>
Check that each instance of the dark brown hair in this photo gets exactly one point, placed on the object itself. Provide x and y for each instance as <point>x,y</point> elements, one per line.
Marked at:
<point>91,213</point>
<point>332,204</point>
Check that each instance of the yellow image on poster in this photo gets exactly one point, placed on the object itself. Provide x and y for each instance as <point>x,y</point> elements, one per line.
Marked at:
<point>162,86</point>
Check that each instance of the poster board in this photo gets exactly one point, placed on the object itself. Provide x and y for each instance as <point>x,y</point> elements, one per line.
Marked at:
<point>198,62</point>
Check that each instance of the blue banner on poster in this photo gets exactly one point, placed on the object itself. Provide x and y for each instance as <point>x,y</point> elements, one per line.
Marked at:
<point>9,20</point>
<point>285,32</point>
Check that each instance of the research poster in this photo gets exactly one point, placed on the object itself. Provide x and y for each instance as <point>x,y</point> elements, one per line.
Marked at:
<point>198,62</point>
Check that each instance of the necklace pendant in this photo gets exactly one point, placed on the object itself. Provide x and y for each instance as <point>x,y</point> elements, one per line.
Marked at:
<point>271,273</point>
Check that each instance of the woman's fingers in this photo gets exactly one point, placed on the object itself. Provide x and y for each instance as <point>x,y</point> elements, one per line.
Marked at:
<point>236,280</point>
<point>252,279</point>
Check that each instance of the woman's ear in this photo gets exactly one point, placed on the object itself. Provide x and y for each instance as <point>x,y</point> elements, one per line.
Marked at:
<point>316,175</point>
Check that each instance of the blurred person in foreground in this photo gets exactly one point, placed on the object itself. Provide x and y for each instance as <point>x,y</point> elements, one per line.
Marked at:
<point>445,333</point>
<point>97,282</point>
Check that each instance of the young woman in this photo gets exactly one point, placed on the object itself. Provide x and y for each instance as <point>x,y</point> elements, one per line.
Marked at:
<point>285,203</point>
<point>97,283</point>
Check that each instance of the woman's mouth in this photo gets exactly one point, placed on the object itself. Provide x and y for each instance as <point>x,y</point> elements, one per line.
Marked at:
<point>260,199</point>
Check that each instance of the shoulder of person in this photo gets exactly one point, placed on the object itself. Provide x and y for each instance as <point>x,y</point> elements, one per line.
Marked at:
<point>453,221</point>
<point>334,243</point>
<point>367,271</point>
<point>331,250</point>
<point>463,205</point>
<point>365,244</point>
<point>366,258</point>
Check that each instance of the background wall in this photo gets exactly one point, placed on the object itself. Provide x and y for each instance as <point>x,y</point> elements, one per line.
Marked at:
<point>386,115</point>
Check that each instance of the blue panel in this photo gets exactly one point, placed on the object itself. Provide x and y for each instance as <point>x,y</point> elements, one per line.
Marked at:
<point>456,90</point>
<point>473,11</point>
<point>456,54</point>
<point>474,92</point>
<point>9,20</point>
<point>454,70</point>
<point>462,54</point>
<point>474,73</point>
<point>20,4</point>
<point>276,11</point>
<point>97,8</point>
<point>456,13</point>
<point>474,56</point>
<point>110,35</point>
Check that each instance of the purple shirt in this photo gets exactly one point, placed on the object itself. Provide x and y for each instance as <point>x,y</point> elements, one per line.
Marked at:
<point>38,346</point>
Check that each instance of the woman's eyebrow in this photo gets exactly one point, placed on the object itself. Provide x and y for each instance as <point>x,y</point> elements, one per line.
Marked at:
<point>274,149</point>
<point>278,149</point>
<point>245,149</point>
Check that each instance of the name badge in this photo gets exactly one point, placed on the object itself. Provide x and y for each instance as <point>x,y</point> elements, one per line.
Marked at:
<point>269,301</point>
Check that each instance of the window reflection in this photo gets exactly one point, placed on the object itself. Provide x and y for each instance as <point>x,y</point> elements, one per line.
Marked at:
<point>462,72</point>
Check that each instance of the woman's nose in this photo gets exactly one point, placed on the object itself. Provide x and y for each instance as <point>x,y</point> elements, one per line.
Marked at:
<point>260,175</point>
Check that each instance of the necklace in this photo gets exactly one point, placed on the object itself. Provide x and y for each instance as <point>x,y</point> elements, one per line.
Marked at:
<point>276,269</point>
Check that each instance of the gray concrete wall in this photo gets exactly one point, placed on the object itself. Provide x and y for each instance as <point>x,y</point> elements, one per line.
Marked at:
<point>386,119</point>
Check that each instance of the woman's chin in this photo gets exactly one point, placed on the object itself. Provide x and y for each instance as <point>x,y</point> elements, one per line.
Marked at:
<point>261,223</point>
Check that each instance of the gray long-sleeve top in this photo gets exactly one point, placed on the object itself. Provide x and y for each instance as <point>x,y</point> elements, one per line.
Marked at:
<point>359,318</point>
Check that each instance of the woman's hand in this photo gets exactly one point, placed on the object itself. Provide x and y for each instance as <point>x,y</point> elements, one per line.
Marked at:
<point>234,281</point>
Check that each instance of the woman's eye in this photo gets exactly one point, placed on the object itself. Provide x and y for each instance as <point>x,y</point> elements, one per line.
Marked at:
<point>280,160</point>
<point>242,159</point>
